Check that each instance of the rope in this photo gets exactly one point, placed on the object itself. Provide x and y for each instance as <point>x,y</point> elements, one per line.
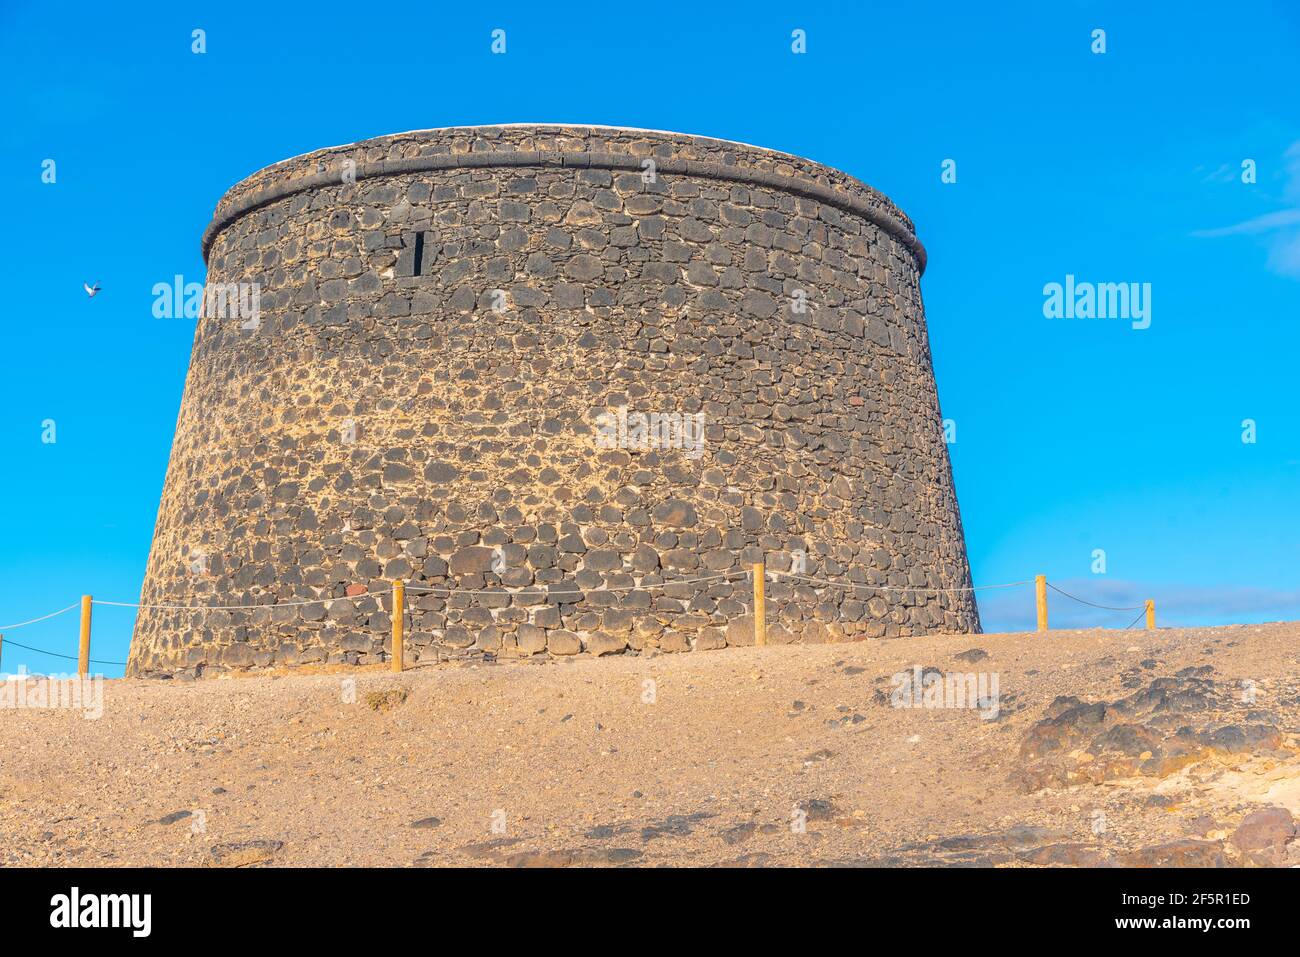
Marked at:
<point>545,589</point>
<point>1136,620</point>
<point>906,588</point>
<point>53,614</point>
<point>1082,601</point>
<point>426,589</point>
<point>274,604</point>
<point>55,654</point>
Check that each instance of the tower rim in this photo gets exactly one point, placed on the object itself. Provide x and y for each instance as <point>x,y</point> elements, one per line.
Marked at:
<point>806,177</point>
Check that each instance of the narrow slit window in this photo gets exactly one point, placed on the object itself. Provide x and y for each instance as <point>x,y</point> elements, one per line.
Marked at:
<point>417,266</point>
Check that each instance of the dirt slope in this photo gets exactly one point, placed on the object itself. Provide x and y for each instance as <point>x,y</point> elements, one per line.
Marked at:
<point>1107,747</point>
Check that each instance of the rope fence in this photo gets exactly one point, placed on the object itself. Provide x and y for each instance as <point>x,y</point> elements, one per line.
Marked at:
<point>55,654</point>
<point>1090,604</point>
<point>758,573</point>
<point>1136,620</point>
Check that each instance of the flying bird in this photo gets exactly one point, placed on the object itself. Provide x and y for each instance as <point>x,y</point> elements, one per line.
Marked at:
<point>90,290</point>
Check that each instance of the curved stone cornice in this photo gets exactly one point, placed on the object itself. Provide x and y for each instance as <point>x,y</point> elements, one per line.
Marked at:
<point>231,209</point>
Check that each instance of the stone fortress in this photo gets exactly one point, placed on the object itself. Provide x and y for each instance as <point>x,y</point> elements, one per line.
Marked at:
<point>450,320</point>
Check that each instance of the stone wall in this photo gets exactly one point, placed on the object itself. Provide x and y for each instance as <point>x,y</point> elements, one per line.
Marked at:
<point>420,399</point>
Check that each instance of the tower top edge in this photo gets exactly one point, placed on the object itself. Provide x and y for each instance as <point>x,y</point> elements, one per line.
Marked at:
<point>577,145</point>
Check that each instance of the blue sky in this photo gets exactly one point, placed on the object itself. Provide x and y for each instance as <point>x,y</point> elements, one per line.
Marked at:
<point>1072,435</point>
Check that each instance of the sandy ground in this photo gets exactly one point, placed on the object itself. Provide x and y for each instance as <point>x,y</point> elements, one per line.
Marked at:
<point>793,755</point>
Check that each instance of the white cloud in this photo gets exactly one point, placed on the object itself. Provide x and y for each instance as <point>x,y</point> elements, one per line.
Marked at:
<point>1260,224</point>
<point>1282,226</point>
<point>1284,255</point>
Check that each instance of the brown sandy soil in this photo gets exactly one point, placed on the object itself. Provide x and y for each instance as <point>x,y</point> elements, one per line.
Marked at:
<point>577,762</point>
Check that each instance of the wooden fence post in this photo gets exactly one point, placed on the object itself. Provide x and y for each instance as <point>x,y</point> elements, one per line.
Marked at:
<point>399,610</point>
<point>760,604</point>
<point>1040,599</point>
<point>83,650</point>
<point>1151,613</point>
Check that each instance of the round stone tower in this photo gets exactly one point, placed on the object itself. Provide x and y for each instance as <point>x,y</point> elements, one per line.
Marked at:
<point>567,382</point>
